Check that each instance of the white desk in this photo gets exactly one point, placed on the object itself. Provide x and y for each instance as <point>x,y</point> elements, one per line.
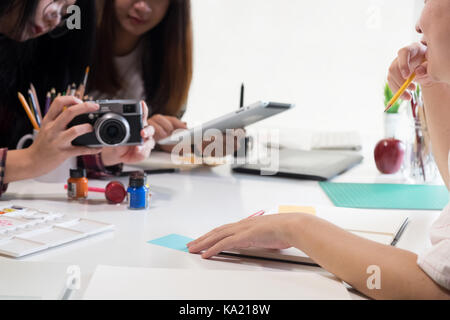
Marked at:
<point>188,203</point>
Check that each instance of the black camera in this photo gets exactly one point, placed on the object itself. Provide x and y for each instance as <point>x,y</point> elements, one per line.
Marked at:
<point>116,123</point>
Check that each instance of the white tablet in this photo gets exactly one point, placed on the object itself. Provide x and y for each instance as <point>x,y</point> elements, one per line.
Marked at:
<point>235,120</point>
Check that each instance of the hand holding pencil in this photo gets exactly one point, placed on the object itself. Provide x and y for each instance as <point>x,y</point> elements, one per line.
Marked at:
<point>409,66</point>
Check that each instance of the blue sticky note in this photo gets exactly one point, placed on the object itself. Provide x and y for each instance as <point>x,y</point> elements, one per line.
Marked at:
<point>173,241</point>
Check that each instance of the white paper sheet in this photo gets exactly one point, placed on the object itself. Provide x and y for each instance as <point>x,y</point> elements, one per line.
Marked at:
<point>114,283</point>
<point>23,280</point>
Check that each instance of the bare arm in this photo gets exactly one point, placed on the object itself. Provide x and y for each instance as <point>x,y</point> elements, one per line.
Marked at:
<point>349,256</point>
<point>336,250</point>
<point>18,166</point>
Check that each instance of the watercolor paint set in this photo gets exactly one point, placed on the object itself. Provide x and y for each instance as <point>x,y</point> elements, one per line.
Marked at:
<point>25,231</point>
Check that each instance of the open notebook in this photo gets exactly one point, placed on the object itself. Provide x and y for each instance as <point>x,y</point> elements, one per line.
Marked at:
<point>379,226</point>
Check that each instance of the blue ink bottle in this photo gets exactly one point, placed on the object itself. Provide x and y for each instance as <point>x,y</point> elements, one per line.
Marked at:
<point>138,192</point>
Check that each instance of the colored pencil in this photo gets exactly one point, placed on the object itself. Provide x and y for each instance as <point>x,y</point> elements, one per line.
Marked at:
<point>34,108</point>
<point>27,109</point>
<point>91,189</point>
<point>257,214</point>
<point>36,101</point>
<point>30,103</point>
<point>86,76</point>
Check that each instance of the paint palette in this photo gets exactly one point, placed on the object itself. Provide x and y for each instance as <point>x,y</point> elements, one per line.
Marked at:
<point>24,231</point>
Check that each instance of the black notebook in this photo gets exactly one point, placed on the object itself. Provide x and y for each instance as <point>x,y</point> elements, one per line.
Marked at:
<point>309,165</point>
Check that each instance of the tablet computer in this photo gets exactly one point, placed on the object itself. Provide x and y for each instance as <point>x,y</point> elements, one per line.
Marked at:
<point>235,120</point>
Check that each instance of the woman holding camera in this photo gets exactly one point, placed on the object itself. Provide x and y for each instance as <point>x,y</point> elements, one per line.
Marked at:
<point>36,47</point>
<point>145,52</point>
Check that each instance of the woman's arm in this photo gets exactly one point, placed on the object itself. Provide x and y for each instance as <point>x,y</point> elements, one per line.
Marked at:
<point>52,145</point>
<point>349,257</point>
<point>336,250</point>
<point>18,166</point>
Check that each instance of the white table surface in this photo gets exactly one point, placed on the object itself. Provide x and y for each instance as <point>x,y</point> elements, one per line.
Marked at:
<point>189,203</point>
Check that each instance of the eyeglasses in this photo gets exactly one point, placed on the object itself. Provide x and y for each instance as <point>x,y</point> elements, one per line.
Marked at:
<point>55,15</point>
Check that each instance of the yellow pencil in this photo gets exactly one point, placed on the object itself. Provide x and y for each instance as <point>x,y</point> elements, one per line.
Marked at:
<point>28,111</point>
<point>400,92</point>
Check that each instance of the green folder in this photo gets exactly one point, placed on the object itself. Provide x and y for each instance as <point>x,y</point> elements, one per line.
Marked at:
<point>386,196</point>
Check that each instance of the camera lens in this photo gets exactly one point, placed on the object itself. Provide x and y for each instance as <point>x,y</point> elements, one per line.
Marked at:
<point>112,130</point>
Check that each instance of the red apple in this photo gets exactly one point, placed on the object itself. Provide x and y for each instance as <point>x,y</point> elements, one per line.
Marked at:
<point>389,154</point>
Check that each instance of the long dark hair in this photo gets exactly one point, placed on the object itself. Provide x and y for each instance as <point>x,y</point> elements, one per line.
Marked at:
<point>46,62</point>
<point>166,62</point>
<point>26,10</point>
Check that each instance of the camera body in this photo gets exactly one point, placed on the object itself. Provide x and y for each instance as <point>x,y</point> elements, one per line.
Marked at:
<point>116,123</point>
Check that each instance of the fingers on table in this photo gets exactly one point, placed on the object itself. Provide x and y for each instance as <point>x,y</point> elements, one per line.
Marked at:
<point>210,239</point>
<point>222,245</point>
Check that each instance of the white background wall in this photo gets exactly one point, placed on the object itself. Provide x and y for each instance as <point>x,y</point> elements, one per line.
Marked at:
<point>330,57</point>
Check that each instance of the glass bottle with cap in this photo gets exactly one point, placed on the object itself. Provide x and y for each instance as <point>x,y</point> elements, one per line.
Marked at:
<point>77,185</point>
<point>138,192</point>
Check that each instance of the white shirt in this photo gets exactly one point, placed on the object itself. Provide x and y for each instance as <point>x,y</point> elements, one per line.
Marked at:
<point>436,260</point>
<point>129,71</point>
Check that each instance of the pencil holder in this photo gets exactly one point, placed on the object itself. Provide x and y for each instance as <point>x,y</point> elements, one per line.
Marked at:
<point>27,140</point>
<point>420,166</point>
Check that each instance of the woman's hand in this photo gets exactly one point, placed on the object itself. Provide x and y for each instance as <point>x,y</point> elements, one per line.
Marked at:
<point>53,144</point>
<point>410,59</point>
<point>132,154</point>
<point>231,143</point>
<point>165,127</point>
<point>270,232</point>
